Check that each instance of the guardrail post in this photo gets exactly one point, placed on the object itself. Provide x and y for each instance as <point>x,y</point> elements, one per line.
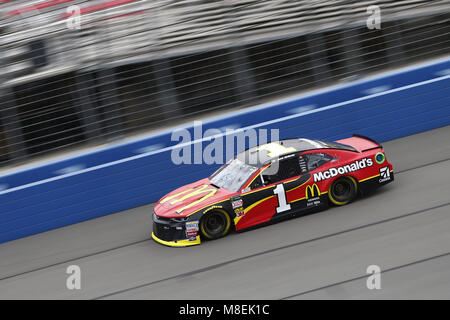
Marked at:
<point>84,81</point>
<point>88,111</point>
<point>245,83</point>
<point>352,51</point>
<point>243,75</point>
<point>10,119</point>
<point>394,49</point>
<point>12,131</point>
<point>318,54</point>
<point>112,121</point>
<point>166,96</point>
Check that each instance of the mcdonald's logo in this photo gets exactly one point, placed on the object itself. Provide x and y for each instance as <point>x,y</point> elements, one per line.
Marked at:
<point>312,191</point>
<point>189,193</point>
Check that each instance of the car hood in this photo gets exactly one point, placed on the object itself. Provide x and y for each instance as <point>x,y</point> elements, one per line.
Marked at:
<point>190,198</point>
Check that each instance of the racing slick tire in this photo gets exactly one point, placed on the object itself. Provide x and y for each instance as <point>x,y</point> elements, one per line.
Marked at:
<point>343,190</point>
<point>215,224</point>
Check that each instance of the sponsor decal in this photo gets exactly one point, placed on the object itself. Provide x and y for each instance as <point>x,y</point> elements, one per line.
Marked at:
<point>380,157</point>
<point>189,193</point>
<point>237,203</point>
<point>385,174</point>
<point>312,195</point>
<point>211,208</point>
<point>192,225</point>
<point>312,191</point>
<point>302,164</point>
<point>286,157</point>
<point>191,234</point>
<point>313,202</point>
<point>333,172</point>
<point>191,229</point>
<point>245,190</point>
<point>239,212</point>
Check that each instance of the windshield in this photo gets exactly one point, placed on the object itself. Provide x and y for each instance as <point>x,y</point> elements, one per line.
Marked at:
<point>233,175</point>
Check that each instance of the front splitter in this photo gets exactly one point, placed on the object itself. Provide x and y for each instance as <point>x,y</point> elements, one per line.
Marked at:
<point>178,243</point>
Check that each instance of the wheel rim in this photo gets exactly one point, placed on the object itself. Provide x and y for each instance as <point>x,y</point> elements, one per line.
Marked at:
<point>342,190</point>
<point>215,224</point>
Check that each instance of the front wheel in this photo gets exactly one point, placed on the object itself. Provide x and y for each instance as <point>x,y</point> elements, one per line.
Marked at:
<point>343,190</point>
<point>215,224</point>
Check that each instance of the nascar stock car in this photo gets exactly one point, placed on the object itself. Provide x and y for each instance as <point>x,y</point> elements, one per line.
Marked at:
<point>270,182</point>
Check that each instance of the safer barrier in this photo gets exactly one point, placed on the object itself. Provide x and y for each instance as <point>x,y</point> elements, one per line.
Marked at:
<point>137,172</point>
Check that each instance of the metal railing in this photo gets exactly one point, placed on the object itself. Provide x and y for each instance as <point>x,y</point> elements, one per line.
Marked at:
<point>140,64</point>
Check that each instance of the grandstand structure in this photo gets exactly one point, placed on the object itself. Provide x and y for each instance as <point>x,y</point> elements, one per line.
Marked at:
<point>135,65</point>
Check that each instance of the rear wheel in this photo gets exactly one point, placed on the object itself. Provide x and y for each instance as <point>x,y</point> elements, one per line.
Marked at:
<point>215,224</point>
<point>343,190</point>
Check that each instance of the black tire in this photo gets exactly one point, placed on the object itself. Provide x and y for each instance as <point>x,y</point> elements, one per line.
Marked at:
<point>343,190</point>
<point>215,224</point>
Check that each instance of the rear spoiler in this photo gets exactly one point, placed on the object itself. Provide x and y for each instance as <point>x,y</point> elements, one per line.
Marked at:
<point>369,139</point>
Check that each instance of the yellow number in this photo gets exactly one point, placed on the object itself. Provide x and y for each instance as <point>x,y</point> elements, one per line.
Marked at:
<point>275,149</point>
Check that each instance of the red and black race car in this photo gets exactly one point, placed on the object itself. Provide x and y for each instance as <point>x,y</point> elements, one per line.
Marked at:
<point>270,182</point>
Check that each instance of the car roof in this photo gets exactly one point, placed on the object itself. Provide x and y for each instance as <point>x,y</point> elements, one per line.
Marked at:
<point>265,153</point>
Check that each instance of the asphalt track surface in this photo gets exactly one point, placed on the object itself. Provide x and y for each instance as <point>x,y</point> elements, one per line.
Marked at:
<point>404,228</point>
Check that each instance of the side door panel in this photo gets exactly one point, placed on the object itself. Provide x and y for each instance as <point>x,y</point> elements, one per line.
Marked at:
<point>298,192</point>
<point>316,193</point>
<point>269,199</point>
<point>259,207</point>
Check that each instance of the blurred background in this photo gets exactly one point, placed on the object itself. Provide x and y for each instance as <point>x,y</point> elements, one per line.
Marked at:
<point>136,66</point>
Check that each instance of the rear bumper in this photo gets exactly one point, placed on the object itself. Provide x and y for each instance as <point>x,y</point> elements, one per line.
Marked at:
<point>370,184</point>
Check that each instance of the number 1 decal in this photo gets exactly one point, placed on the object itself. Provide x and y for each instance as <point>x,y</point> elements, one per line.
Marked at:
<point>282,203</point>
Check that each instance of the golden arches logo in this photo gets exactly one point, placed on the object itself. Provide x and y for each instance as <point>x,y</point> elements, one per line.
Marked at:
<point>312,191</point>
<point>189,193</point>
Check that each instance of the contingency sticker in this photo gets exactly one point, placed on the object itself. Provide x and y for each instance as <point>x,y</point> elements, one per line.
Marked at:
<point>238,206</point>
<point>237,203</point>
<point>191,228</point>
<point>385,174</point>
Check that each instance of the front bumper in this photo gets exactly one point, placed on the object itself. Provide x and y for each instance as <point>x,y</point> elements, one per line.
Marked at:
<point>178,243</point>
<point>173,234</point>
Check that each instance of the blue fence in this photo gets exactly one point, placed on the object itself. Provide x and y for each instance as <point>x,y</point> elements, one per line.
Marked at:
<point>126,175</point>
